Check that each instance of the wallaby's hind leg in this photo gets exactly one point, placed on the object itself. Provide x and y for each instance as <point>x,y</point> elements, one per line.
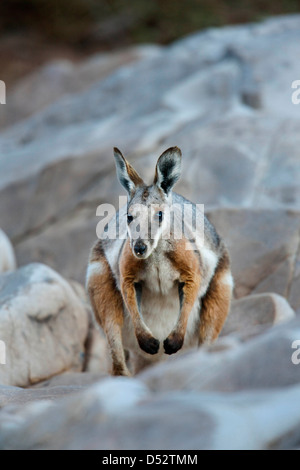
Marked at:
<point>216,302</point>
<point>107,304</point>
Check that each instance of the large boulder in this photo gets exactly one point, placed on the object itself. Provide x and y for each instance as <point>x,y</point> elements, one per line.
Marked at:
<point>62,77</point>
<point>264,362</point>
<point>43,324</point>
<point>255,313</point>
<point>264,248</point>
<point>52,389</point>
<point>122,414</point>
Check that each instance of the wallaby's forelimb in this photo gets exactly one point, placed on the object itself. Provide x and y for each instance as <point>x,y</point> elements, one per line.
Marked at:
<point>129,270</point>
<point>187,261</point>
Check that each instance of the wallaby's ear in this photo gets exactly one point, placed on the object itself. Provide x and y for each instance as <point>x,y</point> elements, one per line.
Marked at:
<point>127,175</point>
<point>168,169</point>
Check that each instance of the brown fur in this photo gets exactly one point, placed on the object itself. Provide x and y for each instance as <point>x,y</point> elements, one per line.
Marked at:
<point>129,270</point>
<point>134,176</point>
<point>188,264</point>
<point>216,303</point>
<point>145,194</point>
<point>107,304</point>
<point>97,253</point>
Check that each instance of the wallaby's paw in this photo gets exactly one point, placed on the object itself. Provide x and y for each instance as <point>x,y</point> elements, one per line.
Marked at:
<point>148,344</point>
<point>173,343</point>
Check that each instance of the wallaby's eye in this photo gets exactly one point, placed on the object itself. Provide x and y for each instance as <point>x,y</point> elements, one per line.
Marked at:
<point>129,219</point>
<point>160,216</point>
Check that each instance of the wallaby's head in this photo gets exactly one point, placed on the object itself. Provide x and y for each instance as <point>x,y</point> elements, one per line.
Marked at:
<point>147,209</point>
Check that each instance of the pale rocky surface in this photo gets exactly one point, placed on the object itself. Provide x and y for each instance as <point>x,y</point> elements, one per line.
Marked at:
<point>224,97</point>
<point>7,254</point>
<point>62,77</point>
<point>119,414</point>
<point>257,312</point>
<point>43,324</point>
<point>265,250</point>
<point>260,362</point>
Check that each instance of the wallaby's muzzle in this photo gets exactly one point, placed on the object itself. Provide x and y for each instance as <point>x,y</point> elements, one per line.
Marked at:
<point>140,248</point>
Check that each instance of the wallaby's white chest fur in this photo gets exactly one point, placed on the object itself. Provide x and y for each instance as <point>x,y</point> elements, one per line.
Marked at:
<point>159,275</point>
<point>160,304</point>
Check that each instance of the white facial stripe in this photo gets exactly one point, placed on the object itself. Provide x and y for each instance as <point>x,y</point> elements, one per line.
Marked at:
<point>145,224</point>
<point>156,236</point>
<point>138,228</point>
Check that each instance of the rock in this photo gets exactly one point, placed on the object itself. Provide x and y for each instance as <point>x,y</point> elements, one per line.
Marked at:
<point>273,56</point>
<point>97,354</point>
<point>61,77</point>
<point>109,397</point>
<point>43,324</point>
<point>7,254</point>
<point>97,357</point>
<point>264,248</point>
<point>263,362</point>
<point>254,313</point>
<point>279,179</point>
<point>50,390</point>
<point>252,420</point>
<point>11,396</point>
<point>294,295</point>
<point>70,379</point>
<point>222,158</point>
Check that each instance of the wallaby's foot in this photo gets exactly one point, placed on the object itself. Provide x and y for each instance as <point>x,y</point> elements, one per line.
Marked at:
<point>148,344</point>
<point>173,343</point>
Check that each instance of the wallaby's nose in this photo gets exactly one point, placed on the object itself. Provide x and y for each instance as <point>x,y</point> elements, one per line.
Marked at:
<point>140,248</point>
